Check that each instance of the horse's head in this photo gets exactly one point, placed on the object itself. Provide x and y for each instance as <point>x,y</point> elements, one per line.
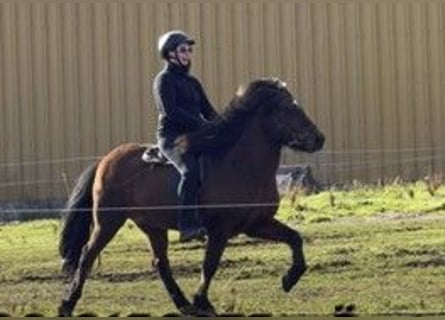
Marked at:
<point>284,121</point>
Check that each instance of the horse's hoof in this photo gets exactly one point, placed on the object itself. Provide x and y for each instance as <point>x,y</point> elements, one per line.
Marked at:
<point>64,311</point>
<point>206,313</point>
<point>286,284</point>
<point>188,310</point>
<point>204,307</point>
<point>289,280</point>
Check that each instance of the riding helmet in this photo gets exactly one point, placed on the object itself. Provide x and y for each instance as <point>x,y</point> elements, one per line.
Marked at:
<point>169,41</point>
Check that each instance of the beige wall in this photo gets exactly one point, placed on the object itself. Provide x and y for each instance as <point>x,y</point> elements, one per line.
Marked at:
<point>75,79</point>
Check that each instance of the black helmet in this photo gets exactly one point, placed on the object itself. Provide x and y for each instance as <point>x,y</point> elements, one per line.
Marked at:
<point>169,41</point>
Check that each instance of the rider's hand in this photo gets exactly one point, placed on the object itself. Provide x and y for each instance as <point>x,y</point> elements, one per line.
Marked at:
<point>181,144</point>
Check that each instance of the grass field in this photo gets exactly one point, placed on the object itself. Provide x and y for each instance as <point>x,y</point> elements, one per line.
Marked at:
<point>380,248</point>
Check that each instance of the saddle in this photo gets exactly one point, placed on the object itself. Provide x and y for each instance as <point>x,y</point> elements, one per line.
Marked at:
<point>153,155</point>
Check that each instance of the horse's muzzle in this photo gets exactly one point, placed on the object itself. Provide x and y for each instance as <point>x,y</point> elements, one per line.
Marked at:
<point>308,142</point>
<point>318,142</point>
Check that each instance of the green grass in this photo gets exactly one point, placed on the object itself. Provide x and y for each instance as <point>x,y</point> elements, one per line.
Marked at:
<point>383,261</point>
<point>364,200</point>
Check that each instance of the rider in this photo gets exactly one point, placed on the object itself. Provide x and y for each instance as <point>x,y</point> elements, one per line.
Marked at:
<point>183,107</point>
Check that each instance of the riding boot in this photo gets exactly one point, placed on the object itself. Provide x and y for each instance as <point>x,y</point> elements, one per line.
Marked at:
<point>189,223</point>
<point>190,227</point>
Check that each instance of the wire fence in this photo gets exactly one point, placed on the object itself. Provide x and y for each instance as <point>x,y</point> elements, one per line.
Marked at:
<point>345,161</point>
<point>339,165</point>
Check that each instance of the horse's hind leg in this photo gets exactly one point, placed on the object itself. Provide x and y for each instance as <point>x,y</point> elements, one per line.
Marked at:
<point>275,230</point>
<point>105,227</point>
<point>159,243</point>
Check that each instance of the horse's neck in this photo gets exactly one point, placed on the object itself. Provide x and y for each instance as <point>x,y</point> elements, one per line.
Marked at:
<point>253,156</point>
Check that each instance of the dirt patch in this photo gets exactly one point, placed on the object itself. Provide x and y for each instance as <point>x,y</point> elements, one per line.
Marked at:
<point>332,266</point>
<point>430,263</point>
<point>397,216</point>
<point>390,217</point>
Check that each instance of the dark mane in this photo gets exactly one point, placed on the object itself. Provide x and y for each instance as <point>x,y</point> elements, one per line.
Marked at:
<point>221,134</point>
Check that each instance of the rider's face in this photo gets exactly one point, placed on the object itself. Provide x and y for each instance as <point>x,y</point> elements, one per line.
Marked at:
<point>184,54</point>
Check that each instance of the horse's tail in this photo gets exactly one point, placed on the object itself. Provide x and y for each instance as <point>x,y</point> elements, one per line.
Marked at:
<point>77,217</point>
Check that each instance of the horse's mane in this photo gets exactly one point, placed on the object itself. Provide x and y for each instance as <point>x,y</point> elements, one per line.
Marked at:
<point>219,135</point>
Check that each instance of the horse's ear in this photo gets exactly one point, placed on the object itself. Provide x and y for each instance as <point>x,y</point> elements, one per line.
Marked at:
<point>241,90</point>
<point>280,84</point>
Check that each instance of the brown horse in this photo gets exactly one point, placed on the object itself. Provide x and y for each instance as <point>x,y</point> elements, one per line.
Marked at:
<point>241,153</point>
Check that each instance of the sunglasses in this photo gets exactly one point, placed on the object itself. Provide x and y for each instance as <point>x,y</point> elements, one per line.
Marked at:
<point>185,49</point>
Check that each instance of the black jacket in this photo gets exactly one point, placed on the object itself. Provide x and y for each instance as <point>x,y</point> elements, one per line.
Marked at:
<point>181,101</point>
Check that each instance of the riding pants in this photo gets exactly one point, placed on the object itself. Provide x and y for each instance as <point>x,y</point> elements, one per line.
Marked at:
<point>188,167</point>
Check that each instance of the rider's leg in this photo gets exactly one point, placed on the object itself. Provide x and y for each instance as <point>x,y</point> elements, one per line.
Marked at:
<point>188,222</point>
<point>188,167</point>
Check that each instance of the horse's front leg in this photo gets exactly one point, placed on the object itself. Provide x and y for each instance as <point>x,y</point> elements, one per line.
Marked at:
<point>214,251</point>
<point>274,230</point>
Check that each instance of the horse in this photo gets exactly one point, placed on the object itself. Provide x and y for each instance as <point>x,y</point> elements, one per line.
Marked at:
<point>240,154</point>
